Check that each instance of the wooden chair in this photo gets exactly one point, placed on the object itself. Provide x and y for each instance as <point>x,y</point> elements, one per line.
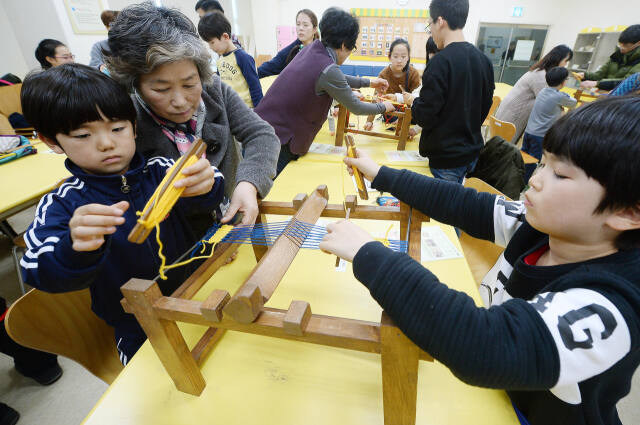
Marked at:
<point>10,103</point>
<point>64,324</point>
<point>262,59</point>
<point>504,129</point>
<point>493,109</point>
<point>481,255</point>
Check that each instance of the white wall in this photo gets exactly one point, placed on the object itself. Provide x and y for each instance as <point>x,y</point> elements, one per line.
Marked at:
<point>11,58</point>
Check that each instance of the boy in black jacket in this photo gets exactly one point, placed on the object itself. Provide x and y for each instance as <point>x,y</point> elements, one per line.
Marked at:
<point>561,331</point>
<point>456,95</point>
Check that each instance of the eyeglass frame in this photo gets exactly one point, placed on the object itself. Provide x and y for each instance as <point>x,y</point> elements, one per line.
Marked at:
<point>72,56</point>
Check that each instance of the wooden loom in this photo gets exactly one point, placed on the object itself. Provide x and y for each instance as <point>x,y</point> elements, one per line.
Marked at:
<point>245,310</point>
<point>402,125</point>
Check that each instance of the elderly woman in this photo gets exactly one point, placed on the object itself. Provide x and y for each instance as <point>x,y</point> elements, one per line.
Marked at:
<point>157,54</point>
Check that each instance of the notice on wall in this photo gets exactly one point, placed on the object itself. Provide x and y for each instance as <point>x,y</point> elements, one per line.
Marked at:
<point>524,50</point>
<point>85,16</point>
<point>285,35</point>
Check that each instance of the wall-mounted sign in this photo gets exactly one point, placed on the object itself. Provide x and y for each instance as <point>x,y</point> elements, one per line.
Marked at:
<point>85,16</point>
<point>517,11</point>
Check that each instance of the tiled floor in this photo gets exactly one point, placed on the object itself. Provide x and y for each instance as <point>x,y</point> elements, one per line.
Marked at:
<point>69,400</point>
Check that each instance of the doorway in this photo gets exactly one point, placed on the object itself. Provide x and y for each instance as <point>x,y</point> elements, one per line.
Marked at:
<point>512,49</point>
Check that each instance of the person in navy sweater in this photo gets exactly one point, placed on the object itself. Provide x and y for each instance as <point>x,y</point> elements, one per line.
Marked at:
<point>561,327</point>
<point>78,238</point>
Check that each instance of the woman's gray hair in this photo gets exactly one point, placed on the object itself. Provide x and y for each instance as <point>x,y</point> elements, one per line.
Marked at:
<point>144,37</point>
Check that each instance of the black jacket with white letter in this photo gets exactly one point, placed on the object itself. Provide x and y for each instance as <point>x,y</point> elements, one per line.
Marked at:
<point>563,340</point>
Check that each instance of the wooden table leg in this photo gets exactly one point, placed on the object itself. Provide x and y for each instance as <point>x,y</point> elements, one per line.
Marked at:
<point>399,358</point>
<point>164,336</point>
<point>342,125</point>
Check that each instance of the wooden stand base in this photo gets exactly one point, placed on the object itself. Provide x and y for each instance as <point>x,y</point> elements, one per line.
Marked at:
<point>245,311</point>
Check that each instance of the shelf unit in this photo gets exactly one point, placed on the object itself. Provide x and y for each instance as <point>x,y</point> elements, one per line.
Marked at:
<point>593,47</point>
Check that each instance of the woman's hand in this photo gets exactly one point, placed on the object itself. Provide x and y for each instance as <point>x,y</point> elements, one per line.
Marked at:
<point>367,166</point>
<point>358,94</point>
<point>368,126</point>
<point>344,239</point>
<point>388,106</point>
<point>412,133</point>
<point>91,222</point>
<point>244,200</point>
<point>199,178</point>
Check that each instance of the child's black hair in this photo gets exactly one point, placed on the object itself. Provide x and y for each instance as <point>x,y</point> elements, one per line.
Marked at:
<point>337,27</point>
<point>630,35</point>
<point>47,48</point>
<point>405,43</point>
<point>431,48</point>
<point>62,99</point>
<point>455,12</point>
<point>553,58</point>
<point>556,76</point>
<point>603,139</point>
<point>209,6</point>
<point>213,25</point>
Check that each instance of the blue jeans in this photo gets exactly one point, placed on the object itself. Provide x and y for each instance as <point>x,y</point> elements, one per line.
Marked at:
<point>454,174</point>
<point>533,146</point>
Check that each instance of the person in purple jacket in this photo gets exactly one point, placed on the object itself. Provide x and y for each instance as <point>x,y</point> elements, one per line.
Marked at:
<point>298,101</point>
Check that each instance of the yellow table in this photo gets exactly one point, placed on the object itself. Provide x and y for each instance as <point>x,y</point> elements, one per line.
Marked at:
<point>26,179</point>
<point>260,380</point>
<point>502,89</point>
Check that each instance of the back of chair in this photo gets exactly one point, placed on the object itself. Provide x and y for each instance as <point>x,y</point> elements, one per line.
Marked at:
<point>10,99</point>
<point>64,324</point>
<point>493,109</point>
<point>481,255</point>
<point>504,129</point>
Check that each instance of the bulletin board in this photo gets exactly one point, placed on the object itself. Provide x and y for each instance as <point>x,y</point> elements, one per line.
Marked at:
<point>285,35</point>
<point>379,27</point>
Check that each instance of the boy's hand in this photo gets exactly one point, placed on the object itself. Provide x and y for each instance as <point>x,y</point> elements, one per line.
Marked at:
<point>412,133</point>
<point>388,106</point>
<point>368,126</point>
<point>198,178</point>
<point>407,98</point>
<point>344,239</point>
<point>379,83</point>
<point>91,222</point>
<point>367,166</point>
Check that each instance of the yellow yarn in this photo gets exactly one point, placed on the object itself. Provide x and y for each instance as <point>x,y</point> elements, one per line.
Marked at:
<point>217,237</point>
<point>385,240</point>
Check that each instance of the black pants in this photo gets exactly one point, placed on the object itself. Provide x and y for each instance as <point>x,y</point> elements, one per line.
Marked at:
<point>26,360</point>
<point>284,158</point>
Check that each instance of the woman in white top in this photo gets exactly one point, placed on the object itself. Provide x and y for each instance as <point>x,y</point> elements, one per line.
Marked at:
<point>517,105</point>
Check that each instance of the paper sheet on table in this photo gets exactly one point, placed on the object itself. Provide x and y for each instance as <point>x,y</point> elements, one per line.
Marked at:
<point>404,156</point>
<point>367,184</point>
<point>436,245</point>
<point>323,149</point>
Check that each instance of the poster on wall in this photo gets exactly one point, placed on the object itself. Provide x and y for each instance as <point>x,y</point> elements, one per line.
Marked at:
<point>524,50</point>
<point>381,26</point>
<point>285,35</point>
<point>84,16</point>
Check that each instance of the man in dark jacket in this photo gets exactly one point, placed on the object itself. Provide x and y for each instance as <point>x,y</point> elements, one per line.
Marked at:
<point>625,61</point>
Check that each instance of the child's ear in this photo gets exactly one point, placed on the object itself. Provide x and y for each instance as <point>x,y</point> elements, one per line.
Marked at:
<point>625,219</point>
<point>226,36</point>
<point>52,144</point>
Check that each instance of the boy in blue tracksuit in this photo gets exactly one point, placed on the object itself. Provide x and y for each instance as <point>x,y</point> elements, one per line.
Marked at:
<point>78,238</point>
